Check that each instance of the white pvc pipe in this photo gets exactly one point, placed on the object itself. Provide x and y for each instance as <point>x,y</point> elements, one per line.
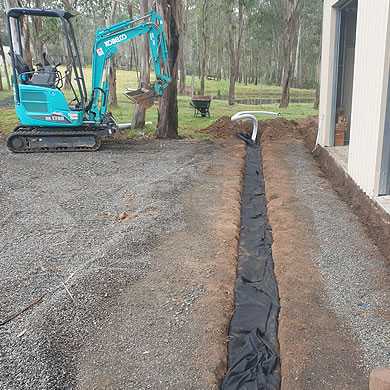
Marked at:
<point>125,126</point>
<point>250,115</point>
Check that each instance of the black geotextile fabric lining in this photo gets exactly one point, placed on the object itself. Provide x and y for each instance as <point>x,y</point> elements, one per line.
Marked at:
<point>253,347</point>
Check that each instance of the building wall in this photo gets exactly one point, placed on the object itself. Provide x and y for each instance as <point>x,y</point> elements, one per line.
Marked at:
<point>328,73</point>
<point>370,94</point>
<point>372,65</point>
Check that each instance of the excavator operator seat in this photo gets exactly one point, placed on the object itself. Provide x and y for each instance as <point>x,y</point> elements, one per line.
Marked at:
<point>45,77</point>
<point>21,67</point>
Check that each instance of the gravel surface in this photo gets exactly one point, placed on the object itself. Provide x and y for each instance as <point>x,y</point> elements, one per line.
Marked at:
<point>334,283</point>
<point>355,275</point>
<point>120,246</point>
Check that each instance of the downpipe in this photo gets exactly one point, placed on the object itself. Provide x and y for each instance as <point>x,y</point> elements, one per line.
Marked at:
<point>250,115</point>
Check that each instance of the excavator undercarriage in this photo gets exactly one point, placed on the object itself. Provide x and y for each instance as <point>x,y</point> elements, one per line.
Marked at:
<point>32,140</point>
<point>48,122</point>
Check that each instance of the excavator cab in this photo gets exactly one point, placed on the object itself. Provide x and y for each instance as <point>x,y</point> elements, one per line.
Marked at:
<point>38,91</point>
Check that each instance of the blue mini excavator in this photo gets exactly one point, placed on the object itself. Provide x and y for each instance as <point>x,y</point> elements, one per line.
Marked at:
<point>48,122</point>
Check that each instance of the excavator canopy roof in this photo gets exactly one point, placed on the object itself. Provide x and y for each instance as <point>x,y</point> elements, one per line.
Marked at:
<point>57,13</point>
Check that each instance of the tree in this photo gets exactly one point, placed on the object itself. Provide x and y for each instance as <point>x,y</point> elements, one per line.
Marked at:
<point>182,60</point>
<point>2,54</point>
<point>235,32</point>
<point>25,33</point>
<point>140,110</point>
<point>291,13</point>
<point>168,110</point>
<point>204,14</point>
<point>68,5</point>
<point>112,76</point>
<point>37,27</point>
<point>11,4</point>
<point>318,86</point>
<point>234,40</point>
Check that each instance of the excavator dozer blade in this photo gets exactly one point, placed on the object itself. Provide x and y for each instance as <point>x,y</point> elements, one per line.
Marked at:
<point>142,96</point>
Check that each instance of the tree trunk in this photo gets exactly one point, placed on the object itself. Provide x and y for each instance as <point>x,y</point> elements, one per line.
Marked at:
<point>68,5</point>
<point>297,66</point>
<point>234,46</point>
<point>140,111</point>
<point>37,27</point>
<point>219,60</point>
<point>290,9</point>
<point>112,77</point>
<point>26,41</point>
<point>182,61</point>
<point>192,85</point>
<point>203,61</point>
<point>318,84</point>
<point>182,71</point>
<point>68,75</point>
<point>2,54</point>
<point>232,82</point>
<point>112,82</point>
<point>168,110</point>
<point>1,82</point>
<point>231,44</point>
<point>15,41</point>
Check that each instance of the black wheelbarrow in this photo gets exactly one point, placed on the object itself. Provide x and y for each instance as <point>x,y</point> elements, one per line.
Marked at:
<point>201,105</point>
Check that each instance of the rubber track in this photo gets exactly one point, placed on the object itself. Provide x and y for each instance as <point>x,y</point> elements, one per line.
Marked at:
<point>34,133</point>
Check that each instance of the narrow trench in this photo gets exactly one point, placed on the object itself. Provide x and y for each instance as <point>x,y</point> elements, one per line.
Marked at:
<point>253,358</point>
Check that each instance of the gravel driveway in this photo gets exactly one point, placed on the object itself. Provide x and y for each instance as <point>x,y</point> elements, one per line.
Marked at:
<point>129,255</point>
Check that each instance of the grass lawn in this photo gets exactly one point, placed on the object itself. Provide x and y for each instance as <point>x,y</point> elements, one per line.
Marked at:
<point>188,125</point>
<point>129,79</point>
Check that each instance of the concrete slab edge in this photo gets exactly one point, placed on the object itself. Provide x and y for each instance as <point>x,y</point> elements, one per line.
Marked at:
<point>375,219</point>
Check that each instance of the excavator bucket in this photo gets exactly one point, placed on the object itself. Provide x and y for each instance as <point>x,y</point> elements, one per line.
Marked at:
<point>142,96</point>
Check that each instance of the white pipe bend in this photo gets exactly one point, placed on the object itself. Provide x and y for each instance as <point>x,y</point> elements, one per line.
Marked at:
<point>243,115</point>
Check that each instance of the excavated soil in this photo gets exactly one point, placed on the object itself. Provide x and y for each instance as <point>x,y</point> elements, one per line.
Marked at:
<point>225,128</point>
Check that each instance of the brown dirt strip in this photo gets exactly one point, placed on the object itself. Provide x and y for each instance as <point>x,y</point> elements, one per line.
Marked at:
<point>316,352</point>
<point>311,345</point>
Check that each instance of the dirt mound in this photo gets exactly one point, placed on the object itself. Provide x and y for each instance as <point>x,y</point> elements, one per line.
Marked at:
<point>277,128</point>
<point>271,129</point>
<point>225,128</point>
<point>280,128</point>
<point>311,121</point>
<point>308,129</point>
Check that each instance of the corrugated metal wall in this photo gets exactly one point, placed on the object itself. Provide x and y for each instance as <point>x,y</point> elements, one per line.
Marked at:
<point>372,64</point>
<point>369,94</point>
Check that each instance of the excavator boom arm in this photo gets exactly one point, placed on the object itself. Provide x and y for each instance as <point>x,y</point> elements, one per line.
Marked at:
<point>106,45</point>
